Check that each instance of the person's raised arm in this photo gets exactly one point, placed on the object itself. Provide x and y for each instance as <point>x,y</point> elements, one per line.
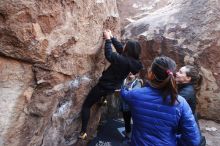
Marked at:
<point>111,56</point>
<point>118,45</point>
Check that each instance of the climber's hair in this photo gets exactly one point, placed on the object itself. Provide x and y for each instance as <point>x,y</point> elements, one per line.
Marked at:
<point>163,69</point>
<point>132,49</point>
<point>196,76</point>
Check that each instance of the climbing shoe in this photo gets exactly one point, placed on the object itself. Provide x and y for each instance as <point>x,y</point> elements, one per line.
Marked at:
<point>103,101</point>
<point>82,135</point>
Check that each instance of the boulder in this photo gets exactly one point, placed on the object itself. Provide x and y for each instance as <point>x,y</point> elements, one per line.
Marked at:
<point>51,55</point>
<point>188,32</point>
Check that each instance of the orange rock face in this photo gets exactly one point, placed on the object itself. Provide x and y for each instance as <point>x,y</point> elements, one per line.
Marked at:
<point>50,56</point>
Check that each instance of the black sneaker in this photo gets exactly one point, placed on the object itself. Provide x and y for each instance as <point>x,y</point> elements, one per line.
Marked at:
<point>203,141</point>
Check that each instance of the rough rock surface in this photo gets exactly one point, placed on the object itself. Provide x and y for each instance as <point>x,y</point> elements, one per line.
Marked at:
<point>16,81</point>
<point>210,130</point>
<point>50,56</point>
<point>132,10</point>
<point>189,32</point>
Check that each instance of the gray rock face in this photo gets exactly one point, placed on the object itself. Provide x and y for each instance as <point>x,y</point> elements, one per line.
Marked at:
<point>189,32</point>
<point>132,10</point>
<point>50,56</point>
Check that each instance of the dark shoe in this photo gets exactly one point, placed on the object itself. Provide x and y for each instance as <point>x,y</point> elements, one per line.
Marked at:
<point>82,136</point>
<point>126,141</point>
<point>128,135</point>
<point>203,141</point>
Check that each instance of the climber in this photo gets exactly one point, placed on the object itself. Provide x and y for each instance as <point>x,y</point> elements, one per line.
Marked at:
<point>158,112</point>
<point>189,82</point>
<point>123,62</point>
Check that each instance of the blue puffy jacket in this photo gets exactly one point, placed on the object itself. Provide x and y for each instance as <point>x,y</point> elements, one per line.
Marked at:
<point>155,122</point>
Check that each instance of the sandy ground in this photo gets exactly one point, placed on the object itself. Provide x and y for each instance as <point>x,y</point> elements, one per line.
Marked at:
<point>211,130</point>
<point>109,135</point>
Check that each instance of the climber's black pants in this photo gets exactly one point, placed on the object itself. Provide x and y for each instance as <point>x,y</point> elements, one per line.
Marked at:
<point>93,97</point>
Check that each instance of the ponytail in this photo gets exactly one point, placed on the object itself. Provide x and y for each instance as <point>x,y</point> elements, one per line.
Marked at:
<point>198,84</point>
<point>173,90</point>
<point>163,68</point>
<point>168,87</point>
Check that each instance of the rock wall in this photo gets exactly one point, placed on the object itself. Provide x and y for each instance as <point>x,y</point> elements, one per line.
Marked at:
<point>187,31</point>
<point>132,10</point>
<point>50,57</point>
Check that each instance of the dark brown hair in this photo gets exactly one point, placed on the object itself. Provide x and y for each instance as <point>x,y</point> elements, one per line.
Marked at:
<point>132,49</point>
<point>163,68</point>
<point>196,77</point>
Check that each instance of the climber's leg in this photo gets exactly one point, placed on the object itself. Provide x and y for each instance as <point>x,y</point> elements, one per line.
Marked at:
<point>93,97</point>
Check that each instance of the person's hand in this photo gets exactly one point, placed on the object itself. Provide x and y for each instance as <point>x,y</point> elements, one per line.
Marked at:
<point>106,35</point>
<point>110,33</point>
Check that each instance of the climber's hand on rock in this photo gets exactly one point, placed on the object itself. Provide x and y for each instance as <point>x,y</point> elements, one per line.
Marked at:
<point>110,33</point>
<point>106,35</point>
